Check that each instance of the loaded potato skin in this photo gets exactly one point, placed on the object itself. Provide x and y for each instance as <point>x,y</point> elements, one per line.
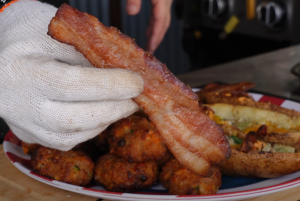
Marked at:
<point>269,147</point>
<point>264,137</point>
<point>260,164</point>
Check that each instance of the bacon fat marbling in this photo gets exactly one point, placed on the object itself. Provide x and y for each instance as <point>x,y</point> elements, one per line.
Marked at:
<point>195,140</point>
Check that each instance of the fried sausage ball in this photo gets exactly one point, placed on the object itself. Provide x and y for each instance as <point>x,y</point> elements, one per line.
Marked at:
<point>117,174</point>
<point>181,181</point>
<point>73,167</point>
<point>96,146</point>
<point>162,162</point>
<point>136,140</point>
<point>30,148</point>
<point>100,143</point>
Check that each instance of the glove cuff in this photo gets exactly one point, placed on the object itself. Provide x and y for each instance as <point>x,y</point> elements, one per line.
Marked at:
<point>5,3</point>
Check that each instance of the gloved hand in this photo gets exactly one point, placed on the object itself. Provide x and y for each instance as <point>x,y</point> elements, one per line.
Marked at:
<point>49,93</point>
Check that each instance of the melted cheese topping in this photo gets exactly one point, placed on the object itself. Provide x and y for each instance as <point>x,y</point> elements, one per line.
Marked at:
<point>246,127</point>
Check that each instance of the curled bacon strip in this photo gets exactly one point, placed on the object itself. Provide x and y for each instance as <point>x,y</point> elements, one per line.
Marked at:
<point>195,140</point>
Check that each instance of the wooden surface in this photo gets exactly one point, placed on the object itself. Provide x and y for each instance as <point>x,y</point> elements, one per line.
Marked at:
<point>14,185</point>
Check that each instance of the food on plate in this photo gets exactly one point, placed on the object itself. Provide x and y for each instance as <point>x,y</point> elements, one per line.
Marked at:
<point>136,140</point>
<point>260,140</point>
<point>98,145</point>
<point>29,148</point>
<point>181,181</point>
<point>265,145</point>
<point>260,164</point>
<point>250,118</point>
<point>236,94</point>
<point>117,174</point>
<point>73,167</point>
<point>286,138</point>
<point>195,140</point>
<point>225,93</point>
<point>162,162</point>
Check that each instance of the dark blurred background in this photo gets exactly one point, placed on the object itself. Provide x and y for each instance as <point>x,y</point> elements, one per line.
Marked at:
<point>113,13</point>
<point>196,38</point>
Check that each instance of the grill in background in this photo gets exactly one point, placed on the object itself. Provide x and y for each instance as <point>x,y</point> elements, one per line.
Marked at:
<point>264,26</point>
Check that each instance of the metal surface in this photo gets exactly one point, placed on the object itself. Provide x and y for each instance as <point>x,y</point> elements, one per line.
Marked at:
<point>296,70</point>
<point>214,8</point>
<point>270,13</point>
<point>270,72</point>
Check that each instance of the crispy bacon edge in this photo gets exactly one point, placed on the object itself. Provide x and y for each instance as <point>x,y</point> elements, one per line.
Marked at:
<point>194,139</point>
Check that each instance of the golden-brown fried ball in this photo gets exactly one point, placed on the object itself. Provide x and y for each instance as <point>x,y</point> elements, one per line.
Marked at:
<point>136,140</point>
<point>162,162</point>
<point>74,167</point>
<point>117,174</point>
<point>181,181</point>
<point>30,148</point>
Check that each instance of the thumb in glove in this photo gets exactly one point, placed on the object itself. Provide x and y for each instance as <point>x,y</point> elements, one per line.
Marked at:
<point>49,93</point>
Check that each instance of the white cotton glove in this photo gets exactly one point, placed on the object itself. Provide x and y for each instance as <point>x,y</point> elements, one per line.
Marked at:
<point>49,93</point>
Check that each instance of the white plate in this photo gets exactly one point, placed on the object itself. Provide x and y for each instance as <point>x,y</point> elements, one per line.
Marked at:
<point>231,189</point>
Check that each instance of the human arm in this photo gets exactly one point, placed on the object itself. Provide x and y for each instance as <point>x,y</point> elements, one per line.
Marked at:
<point>159,22</point>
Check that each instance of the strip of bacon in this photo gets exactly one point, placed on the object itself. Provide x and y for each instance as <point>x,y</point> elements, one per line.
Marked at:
<point>195,140</point>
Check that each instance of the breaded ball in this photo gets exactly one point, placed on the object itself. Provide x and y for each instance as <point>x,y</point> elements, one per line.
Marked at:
<point>117,174</point>
<point>136,140</point>
<point>30,148</point>
<point>181,181</point>
<point>162,162</point>
<point>73,167</point>
<point>100,143</point>
<point>96,146</point>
